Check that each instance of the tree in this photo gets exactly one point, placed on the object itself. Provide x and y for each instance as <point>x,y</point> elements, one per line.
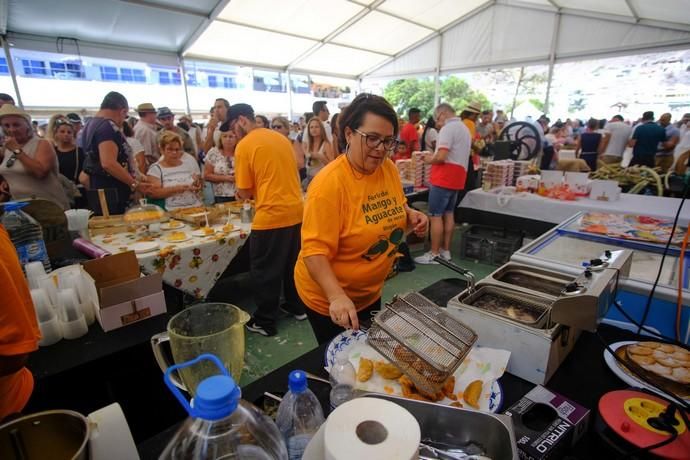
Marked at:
<point>406,94</point>
<point>537,103</point>
<point>458,93</point>
<point>577,101</point>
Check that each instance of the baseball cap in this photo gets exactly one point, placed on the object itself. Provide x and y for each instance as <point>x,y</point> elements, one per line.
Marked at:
<point>237,110</point>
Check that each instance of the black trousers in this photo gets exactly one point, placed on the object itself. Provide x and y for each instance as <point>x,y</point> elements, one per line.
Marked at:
<point>325,329</point>
<point>273,254</point>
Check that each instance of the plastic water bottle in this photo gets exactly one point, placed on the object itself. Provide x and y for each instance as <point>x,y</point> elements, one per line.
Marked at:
<point>26,235</point>
<point>221,425</point>
<point>343,378</point>
<point>299,415</point>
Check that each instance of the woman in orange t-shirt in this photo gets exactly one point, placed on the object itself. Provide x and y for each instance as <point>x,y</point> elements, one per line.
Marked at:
<point>19,333</point>
<point>355,217</point>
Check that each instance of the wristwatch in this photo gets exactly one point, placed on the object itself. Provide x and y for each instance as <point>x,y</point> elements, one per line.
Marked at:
<point>17,152</point>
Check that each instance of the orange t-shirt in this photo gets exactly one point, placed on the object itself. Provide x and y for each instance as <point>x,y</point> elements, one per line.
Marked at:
<point>19,333</point>
<point>265,164</point>
<point>357,222</point>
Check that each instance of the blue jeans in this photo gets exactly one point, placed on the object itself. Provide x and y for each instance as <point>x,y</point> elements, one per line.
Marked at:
<point>441,200</point>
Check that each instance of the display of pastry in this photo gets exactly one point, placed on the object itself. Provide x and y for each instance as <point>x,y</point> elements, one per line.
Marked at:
<point>176,236</point>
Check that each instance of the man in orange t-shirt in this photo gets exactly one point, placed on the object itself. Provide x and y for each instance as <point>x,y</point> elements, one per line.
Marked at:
<point>19,333</point>
<point>265,169</point>
<point>409,135</point>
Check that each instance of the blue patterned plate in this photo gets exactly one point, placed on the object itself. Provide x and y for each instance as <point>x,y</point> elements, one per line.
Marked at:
<point>343,342</point>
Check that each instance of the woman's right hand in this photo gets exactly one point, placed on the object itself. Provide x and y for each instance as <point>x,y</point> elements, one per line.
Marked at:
<point>343,312</point>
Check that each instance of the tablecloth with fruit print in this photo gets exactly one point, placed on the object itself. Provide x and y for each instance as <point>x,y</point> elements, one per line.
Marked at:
<point>193,266</point>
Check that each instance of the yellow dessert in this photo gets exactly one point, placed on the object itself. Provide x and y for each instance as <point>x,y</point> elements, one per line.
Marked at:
<point>143,216</point>
<point>177,236</point>
<point>227,228</point>
<point>208,231</point>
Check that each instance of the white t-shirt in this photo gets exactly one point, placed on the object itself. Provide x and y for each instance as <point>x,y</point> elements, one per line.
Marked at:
<point>178,175</point>
<point>430,137</point>
<point>221,165</point>
<point>620,135</point>
<point>455,136</point>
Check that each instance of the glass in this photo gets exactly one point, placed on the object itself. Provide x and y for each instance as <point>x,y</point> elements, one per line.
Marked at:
<point>216,328</point>
<point>373,141</point>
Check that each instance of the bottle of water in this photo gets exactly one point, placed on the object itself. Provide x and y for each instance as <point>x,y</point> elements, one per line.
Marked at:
<point>26,235</point>
<point>343,378</point>
<point>221,425</point>
<point>299,415</point>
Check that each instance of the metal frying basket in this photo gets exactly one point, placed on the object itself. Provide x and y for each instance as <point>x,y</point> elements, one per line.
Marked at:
<point>421,339</point>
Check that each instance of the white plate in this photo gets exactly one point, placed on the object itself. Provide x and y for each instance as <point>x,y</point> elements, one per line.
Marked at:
<point>144,247</point>
<point>166,239</point>
<point>490,401</point>
<point>612,363</point>
<point>167,226</point>
<point>201,233</point>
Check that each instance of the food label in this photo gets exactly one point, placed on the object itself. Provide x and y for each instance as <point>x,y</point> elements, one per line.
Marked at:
<point>32,252</point>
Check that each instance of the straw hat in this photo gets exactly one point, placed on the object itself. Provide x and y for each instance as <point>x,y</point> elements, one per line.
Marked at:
<point>146,107</point>
<point>9,109</point>
<point>473,107</point>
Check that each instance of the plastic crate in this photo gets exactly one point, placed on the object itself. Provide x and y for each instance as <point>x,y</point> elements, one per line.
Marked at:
<point>491,245</point>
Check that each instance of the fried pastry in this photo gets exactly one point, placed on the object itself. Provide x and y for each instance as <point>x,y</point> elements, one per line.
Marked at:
<point>472,393</point>
<point>638,350</point>
<point>449,387</point>
<point>681,375</point>
<point>387,370</point>
<point>643,360</point>
<point>366,369</point>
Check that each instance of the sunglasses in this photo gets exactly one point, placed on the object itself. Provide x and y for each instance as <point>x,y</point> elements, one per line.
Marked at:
<point>61,122</point>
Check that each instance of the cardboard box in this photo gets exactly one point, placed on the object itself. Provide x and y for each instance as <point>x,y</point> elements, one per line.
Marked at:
<point>605,190</point>
<point>125,296</point>
<point>547,424</point>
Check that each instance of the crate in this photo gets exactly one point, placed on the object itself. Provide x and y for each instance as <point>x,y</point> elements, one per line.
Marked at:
<point>490,245</point>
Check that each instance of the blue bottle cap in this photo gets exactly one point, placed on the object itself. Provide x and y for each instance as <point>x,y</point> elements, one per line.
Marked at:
<point>297,381</point>
<point>14,205</point>
<point>216,397</point>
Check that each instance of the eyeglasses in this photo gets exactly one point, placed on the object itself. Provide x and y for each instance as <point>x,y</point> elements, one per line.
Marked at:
<point>373,141</point>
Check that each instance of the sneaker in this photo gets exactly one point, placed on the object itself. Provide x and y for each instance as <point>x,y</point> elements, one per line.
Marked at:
<point>426,259</point>
<point>445,253</point>
<point>267,331</point>
<point>295,312</point>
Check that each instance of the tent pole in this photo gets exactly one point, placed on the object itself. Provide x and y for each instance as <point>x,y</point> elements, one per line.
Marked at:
<point>552,60</point>
<point>183,70</point>
<point>437,76</point>
<point>10,67</point>
<point>289,91</point>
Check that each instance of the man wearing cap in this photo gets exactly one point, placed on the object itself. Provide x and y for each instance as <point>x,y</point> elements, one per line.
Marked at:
<point>265,170</point>
<point>409,134</point>
<point>146,131</point>
<point>167,119</point>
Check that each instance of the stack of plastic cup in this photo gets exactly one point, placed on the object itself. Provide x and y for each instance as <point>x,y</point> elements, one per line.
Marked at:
<point>71,315</point>
<point>71,278</point>
<point>48,321</point>
<point>47,283</point>
<point>34,271</point>
<point>78,221</point>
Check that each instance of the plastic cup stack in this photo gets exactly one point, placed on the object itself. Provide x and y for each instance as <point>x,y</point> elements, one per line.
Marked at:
<point>34,271</point>
<point>48,321</point>
<point>78,221</point>
<point>71,314</point>
<point>47,283</point>
<point>72,279</point>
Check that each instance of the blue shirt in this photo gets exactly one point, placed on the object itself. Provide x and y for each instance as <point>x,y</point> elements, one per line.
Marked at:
<point>647,137</point>
<point>670,132</point>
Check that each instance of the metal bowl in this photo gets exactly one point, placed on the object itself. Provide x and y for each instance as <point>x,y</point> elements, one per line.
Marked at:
<point>509,304</point>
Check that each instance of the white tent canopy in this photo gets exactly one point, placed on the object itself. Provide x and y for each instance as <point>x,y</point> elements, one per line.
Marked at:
<point>352,38</point>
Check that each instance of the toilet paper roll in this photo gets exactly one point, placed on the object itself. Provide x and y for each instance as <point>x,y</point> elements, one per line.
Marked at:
<point>371,428</point>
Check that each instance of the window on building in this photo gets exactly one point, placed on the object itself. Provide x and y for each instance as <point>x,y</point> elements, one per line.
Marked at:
<point>191,79</point>
<point>139,75</point>
<point>109,73</point>
<point>269,81</point>
<point>4,69</point>
<point>32,67</point>
<point>212,81</point>
<point>229,82</point>
<point>126,74</point>
<point>176,78</point>
<point>164,78</point>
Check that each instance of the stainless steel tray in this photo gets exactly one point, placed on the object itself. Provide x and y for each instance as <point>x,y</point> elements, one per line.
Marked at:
<point>461,428</point>
<point>532,279</point>
<point>540,306</point>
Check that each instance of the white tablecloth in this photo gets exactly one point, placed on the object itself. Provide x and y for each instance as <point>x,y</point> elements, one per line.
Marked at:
<point>543,209</point>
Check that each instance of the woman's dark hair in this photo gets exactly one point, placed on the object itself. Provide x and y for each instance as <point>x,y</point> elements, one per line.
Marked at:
<point>593,124</point>
<point>267,124</point>
<point>430,123</point>
<point>127,130</point>
<point>352,116</point>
